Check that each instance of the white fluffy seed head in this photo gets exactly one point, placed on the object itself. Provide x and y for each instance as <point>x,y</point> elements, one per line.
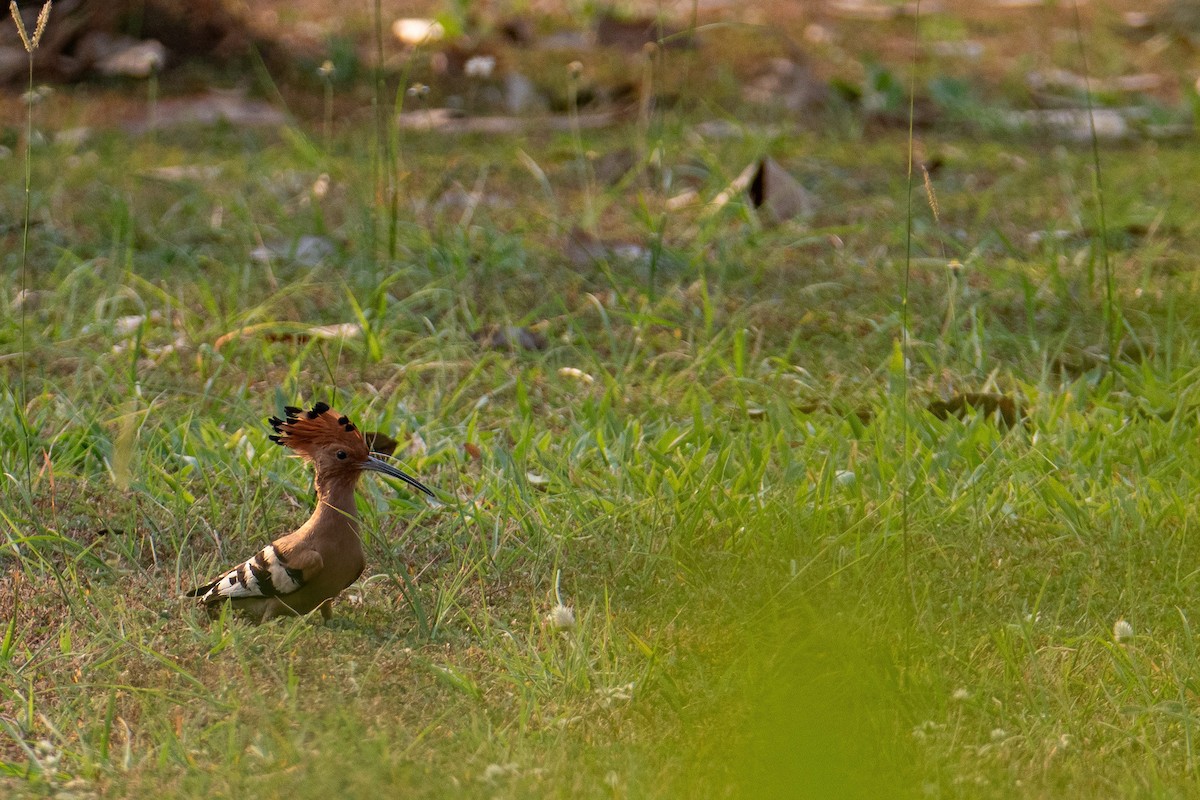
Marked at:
<point>561,618</point>
<point>1122,631</point>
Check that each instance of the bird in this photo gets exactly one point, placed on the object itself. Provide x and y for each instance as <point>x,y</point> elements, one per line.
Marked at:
<point>306,569</point>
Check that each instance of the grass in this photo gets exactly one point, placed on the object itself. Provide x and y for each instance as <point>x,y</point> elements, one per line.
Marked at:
<point>720,505</point>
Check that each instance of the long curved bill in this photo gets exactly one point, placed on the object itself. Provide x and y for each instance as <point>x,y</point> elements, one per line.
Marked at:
<point>373,464</point>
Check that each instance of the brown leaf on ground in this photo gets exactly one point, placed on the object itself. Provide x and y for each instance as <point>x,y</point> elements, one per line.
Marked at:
<point>518,31</point>
<point>633,34</point>
<point>291,332</point>
<point>786,83</point>
<point>996,405</point>
<point>117,55</point>
<point>776,191</point>
<point>614,165</point>
<point>583,249</point>
<point>509,337</point>
<point>864,414</point>
<point>379,442</point>
<point>771,189</point>
<point>448,120</point>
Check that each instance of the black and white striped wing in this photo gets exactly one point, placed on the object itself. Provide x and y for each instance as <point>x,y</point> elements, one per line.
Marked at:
<point>266,574</point>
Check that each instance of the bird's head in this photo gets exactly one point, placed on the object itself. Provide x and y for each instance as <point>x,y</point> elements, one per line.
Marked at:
<point>338,450</point>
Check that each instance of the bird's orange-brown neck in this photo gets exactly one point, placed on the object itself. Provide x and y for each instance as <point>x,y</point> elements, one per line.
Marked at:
<point>335,499</point>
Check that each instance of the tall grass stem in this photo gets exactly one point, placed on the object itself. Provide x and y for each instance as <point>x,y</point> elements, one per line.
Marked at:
<point>1112,322</point>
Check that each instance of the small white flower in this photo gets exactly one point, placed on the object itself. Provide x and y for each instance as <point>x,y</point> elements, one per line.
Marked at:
<point>1122,631</point>
<point>920,732</point>
<point>577,374</point>
<point>48,755</point>
<point>326,69</point>
<point>480,66</point>
<point>418,90</point>
<point>320,186</point>
<point>961,694</point>
<point>494,772</point>
<point>561,618</point>
<point>998,734</point>
<point>127,325</point>
<point>37,95</point>
<point>818,34</point>
<point>615,694</point>
<point>416,31</point>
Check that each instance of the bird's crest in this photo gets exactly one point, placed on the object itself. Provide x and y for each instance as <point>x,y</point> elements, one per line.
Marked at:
<point>320,425</point>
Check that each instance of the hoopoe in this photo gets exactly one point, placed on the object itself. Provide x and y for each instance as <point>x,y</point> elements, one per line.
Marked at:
<point>308,568</point>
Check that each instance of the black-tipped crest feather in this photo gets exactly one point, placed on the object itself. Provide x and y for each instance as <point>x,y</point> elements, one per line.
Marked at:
<point>303,429</point>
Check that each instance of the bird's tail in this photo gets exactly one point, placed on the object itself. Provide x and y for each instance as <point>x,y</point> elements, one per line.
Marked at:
<point>202,590</point>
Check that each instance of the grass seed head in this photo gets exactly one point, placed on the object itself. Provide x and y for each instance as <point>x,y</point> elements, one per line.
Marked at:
<point>561,618</point>
<point>39,29</point>
<point>16,15</point>
<point>43,18</point>
<point>1122,631</point>
<point>931,195</point>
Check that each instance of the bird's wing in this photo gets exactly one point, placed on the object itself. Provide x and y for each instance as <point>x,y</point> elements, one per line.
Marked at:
<point>266,574</point>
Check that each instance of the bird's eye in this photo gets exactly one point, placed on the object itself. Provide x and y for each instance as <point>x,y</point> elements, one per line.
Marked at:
<point>341,454</point>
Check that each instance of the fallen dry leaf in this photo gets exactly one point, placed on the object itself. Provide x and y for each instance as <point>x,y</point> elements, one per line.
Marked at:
<point>583,249</point>
<point>991,404</point>
<point>1075,124</point>
<point>864,414</point>
<point>307,250</point>
<point>291,332</point>
<point>379,442</point>
<point>133,59</point>
<point>509,337</point>
<point>789,84</point>
<point>448,120</point>
<point>772,189</point>
<point>185,172</point>
<point>1063,79</point>
<point>632,35</point>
